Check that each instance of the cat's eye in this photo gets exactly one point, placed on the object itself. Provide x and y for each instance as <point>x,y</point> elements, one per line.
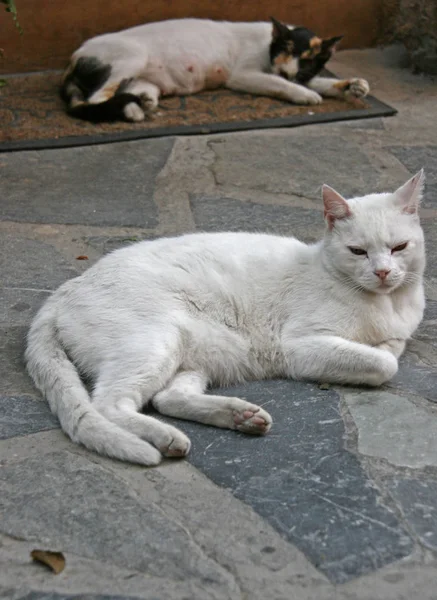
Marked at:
<point>357,251</point>
<point>399,248</point>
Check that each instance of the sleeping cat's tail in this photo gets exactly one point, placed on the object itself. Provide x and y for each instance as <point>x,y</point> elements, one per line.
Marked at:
<point>105,112</point>
<point>57,378</point>
<point>86,78</point>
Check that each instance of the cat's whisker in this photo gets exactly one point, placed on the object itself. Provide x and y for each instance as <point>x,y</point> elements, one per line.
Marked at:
<point>415,278</point>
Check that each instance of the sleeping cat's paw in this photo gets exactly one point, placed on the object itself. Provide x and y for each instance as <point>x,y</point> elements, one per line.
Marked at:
<point>133,112</point>
<point>148,104</point>
<point>305,96</point>
<point>252,419</point>
<point>357,88</point>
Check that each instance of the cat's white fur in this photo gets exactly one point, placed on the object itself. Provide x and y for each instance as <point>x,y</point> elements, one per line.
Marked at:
<point>185,56</point>
<point>158,321</point>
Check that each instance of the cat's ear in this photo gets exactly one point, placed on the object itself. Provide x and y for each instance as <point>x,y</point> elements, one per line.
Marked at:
<point>332,43</point>
<point>408,196</point>
<point>335,206</point>
<point>279,29</point>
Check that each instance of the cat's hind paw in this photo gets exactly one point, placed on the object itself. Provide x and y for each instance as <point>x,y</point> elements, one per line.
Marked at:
<point>148,104</point>
<point>253,420</point>
<point>133,112</point>
<point>176,445</point>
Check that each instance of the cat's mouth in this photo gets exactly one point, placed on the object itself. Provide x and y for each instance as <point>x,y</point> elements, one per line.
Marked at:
<point>385,287</point>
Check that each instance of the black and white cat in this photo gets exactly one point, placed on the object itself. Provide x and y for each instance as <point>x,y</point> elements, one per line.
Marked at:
<point>122,75</point>
<point>159,321</point>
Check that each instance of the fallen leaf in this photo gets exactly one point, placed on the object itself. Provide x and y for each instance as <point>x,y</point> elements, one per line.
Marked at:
<point>324,386</point>
<point>54,560</point>
<point>82,257</point>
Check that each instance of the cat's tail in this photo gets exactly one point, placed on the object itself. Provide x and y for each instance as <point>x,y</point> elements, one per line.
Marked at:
<point>105,112</point>
<point>57,378</point>
<point>87,77</point>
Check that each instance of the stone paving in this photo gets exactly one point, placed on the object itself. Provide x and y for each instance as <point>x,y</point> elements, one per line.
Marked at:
<point>339,500</point>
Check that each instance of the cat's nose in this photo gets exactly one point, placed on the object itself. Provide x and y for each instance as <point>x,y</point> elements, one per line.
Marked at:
<point>382,273</point>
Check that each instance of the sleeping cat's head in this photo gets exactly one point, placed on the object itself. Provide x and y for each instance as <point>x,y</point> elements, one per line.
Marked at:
<point>297,53</point>
<point>376,242</point>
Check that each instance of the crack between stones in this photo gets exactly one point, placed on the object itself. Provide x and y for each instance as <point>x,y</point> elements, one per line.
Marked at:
<point>23,289</point>
<point>202,551</point>
<point>217,183</point>
<point>205,554</point>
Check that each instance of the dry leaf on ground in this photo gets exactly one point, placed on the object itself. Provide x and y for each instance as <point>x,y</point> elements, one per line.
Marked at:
<point>54,560</point>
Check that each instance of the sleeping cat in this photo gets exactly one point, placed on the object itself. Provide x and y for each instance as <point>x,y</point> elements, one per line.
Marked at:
<point>122,75</point>
<point>160,321</point>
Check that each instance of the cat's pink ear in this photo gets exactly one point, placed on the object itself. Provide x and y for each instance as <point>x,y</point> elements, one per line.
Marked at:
<point>335,205</point>
<point>408,196</point>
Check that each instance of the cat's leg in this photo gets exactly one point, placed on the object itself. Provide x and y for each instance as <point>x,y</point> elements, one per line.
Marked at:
<point>185,398</point>
<point>333,359</point>
<point>266,84</point>
<point>339,88</point>
<point>147,92</point>
<point>122,389</point>
<point>394,345</point>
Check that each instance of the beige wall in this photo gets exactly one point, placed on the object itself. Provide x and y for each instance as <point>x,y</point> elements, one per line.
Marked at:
<point>54,28</point>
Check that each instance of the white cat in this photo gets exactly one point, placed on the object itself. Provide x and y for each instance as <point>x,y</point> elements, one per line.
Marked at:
<point>159,321</point>
<point>122,75</point>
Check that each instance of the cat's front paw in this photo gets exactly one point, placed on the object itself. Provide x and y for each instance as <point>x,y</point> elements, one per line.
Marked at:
<point>357,88</point>
<point>307,97</point>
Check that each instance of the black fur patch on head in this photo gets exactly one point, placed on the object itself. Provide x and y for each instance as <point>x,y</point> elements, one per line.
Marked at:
<point>289,41</point>
<point>302,38</point>
<point>282,41</point>
<point>89,74</point>
<point>312,52</point>
<point>310,67</point>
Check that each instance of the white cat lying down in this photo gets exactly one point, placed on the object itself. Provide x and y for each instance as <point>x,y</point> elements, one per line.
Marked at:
<point>159,321</point>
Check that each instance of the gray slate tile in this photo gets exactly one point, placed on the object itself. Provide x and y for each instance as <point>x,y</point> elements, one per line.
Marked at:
<point>23,415</point>
<point>72,504</point>
<point>295,163</point>
<point>417,499</point>
<point>430,230</point>
<point>388,426</point>
<point>416,157</point>
<point>415,377</point>
<point>32,264</point>
<point>111,184</point>
<point>302,480</point>
<point>18,306</point>
<point>106,243</point>
<point>228,214</point>
<point>13,377</point>
<point>20,594</point>
<point>427,331</point>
